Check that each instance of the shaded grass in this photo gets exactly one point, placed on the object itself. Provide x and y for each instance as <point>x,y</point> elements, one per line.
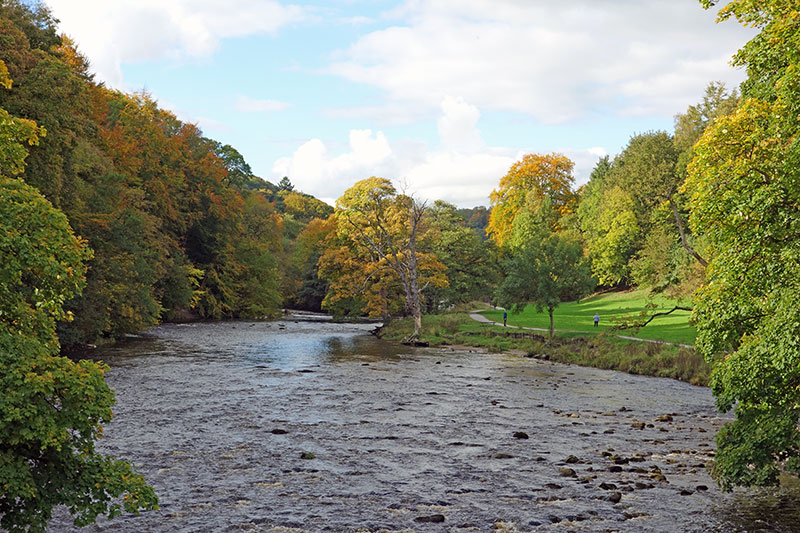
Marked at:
<point>614,308</point>
<point>582,348</point>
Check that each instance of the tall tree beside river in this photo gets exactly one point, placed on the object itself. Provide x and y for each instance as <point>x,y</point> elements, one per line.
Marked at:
<point>51,409</point>
<point>545,266</point>
<point>381,245</point>
<point>745,192</point>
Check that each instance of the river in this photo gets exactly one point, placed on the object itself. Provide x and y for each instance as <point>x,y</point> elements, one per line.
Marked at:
<point>310,426</point>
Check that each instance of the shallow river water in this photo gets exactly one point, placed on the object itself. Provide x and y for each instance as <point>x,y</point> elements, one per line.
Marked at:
<point>310,426</point>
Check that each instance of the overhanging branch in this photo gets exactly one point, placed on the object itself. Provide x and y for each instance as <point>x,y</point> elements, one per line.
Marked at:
<point>637,325</point>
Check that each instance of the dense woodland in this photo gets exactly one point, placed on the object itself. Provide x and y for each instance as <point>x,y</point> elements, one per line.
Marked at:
<point>116,215</point>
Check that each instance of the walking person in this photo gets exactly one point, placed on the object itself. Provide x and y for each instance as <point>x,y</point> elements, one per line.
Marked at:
<point>596,319</point>
<point>505,317</point>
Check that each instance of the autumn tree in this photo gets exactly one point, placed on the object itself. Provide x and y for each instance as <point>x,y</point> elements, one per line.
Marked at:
<point>168,212</point>
<point>380,233</point>
<point>539,175</point>
<point>309,289</point>
<point>745,192</point>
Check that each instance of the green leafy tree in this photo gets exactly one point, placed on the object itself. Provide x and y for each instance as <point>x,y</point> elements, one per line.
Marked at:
<point>255,249</point>
<point>51,409</point>
<point>240,175</point>
<point>285,184</point>
<point>472,267</point>
<point>545,269</point>
<point>629,205</point>
<point>745,188</point>
<point>717,102</point>
<point>615,233</point>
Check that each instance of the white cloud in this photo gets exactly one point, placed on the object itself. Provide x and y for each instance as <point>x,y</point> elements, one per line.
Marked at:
<point>461,170</point>
<point>556,61</point>
<point>110,33</point>
<point>255,105</point>
<point>314,171</point>
<point>461,179</point>
<point>457,125</point>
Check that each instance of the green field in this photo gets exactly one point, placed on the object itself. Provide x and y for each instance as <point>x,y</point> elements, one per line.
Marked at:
<point>613,308</point>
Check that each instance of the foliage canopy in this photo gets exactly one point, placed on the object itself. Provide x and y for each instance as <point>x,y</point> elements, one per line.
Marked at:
<point>745,192</point>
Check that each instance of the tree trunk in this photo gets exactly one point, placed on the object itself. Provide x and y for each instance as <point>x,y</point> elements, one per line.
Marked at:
<point>410,279</point>
<point>413,306</point>
<point>550,310</point>
<point>684,242</point>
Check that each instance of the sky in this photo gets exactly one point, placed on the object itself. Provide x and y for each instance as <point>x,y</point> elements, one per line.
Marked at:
<point>440,96</point>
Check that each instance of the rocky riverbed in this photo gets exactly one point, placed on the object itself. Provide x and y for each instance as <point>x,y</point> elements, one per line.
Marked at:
<point>308,426</point>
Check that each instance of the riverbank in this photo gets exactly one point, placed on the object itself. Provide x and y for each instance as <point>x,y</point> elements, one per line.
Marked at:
<point>603,350</point>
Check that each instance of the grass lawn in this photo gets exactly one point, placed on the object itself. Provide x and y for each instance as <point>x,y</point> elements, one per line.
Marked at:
<point>613,308</point>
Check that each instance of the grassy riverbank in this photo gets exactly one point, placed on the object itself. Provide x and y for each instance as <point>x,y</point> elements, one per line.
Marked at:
<point>614,309</point>
<point>599,350</point>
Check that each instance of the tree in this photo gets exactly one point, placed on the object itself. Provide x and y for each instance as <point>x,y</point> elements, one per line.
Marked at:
<point>255,247</point>
<point>690,125</point>
<point>545,272</point>
<point>239,172</point>
<point>285,184</point>
<point>162,207</point>
<point>472,265</point>
<point>379,234</point>
<point>51,409</point>
<point>476,218</point>
<point>629,205</point>
<point>745,192</point>
<point>541,175</point>
<point>302,206</point>
<point>309,290</point>
<point>613,234</point>
<point>14,134</point>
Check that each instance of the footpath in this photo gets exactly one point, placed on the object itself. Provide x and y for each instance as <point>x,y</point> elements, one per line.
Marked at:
<point>475,315</point>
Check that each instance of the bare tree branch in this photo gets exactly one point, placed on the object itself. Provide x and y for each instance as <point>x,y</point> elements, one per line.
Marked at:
<point>655,315</point>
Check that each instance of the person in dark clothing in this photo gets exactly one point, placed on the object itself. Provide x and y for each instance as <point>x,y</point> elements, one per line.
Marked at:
<point>505,317</point>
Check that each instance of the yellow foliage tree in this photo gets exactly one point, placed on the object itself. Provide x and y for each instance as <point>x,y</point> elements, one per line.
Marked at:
<point>534,175</point>
<point>377,251</point>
